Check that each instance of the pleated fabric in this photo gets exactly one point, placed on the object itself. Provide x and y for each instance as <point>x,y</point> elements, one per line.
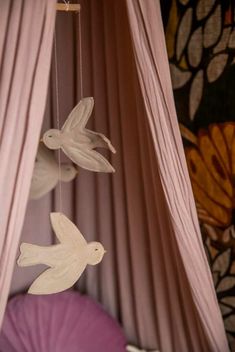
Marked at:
<point>60,322</point>
<point>154,278</point>
<point>154,77</point>
<point>26,32</point>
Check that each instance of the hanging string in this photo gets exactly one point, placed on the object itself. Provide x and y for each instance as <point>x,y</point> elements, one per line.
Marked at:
<point>58,120</point>
<point>57,97</point>
<point>67,4</point>
<point>80,53</point>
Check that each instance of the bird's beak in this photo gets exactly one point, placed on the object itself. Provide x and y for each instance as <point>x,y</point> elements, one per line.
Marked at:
<point>105,251</point>
<point>41,140</point>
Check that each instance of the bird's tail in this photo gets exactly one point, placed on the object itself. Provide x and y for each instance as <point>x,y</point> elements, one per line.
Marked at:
<point>99,140</point>
<point>29,255</point>
<point>104,142</point>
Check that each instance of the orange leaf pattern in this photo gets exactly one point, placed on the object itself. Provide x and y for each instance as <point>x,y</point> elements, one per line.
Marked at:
<point>200,38</point>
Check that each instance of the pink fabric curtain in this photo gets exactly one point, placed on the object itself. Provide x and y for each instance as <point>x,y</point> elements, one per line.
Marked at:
<point>154,77</point>
<point>26,32</point>
<point>154,278</point>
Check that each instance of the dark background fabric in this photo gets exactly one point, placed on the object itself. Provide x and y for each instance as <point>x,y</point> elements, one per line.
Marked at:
<point>216,108</point>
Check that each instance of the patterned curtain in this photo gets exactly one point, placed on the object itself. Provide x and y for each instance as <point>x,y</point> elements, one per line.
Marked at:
<point>200,36</point>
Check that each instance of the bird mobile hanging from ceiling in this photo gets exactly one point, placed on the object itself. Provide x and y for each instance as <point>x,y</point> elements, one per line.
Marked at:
<point>46,173</point>
<point>79,143</point>
<point>68,259</point>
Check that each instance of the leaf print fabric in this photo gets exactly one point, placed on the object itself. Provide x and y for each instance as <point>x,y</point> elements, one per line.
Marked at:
<point>200,39</point>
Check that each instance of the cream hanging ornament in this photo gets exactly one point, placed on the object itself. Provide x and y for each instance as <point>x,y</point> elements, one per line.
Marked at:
<point>77,142</point>
<point>46,173</point>
<point>67,260</point>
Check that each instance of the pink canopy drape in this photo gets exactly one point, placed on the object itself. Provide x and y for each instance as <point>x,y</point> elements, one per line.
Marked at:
<point>26,32</point>
<point>154,278</point>
<point>154,77</point>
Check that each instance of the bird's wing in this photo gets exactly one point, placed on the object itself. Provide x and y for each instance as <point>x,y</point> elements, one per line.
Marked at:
<point>79,115</point>
<point>56,279</point>
<point>66,231</point>
<point>45,175</point>
<point>88,159</point>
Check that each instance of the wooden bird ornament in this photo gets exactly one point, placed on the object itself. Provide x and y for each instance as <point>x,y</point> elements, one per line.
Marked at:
<point>67,260</point>
<point>77,142</point>
<point>46,173</point>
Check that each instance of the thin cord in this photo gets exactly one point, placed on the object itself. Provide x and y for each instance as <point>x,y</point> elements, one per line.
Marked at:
<point>67,4</point>
<point>58,121</point>
<point>80,54</point>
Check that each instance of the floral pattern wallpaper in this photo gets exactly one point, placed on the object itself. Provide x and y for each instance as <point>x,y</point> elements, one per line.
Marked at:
<point>200,38</point>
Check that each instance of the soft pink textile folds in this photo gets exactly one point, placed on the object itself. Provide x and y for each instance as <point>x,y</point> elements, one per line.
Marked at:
<point>154,77</point>
<point>154,278</point>
<point>26,32</point>
<point>64,322</point>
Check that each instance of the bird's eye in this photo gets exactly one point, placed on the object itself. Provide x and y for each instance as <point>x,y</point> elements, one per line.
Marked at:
<point>96,249</point>
<point>50,136</point>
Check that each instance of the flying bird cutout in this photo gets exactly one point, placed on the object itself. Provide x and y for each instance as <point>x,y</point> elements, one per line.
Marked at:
<point>46,173</point>
<point>78,142</point>
<point>67,260</point>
